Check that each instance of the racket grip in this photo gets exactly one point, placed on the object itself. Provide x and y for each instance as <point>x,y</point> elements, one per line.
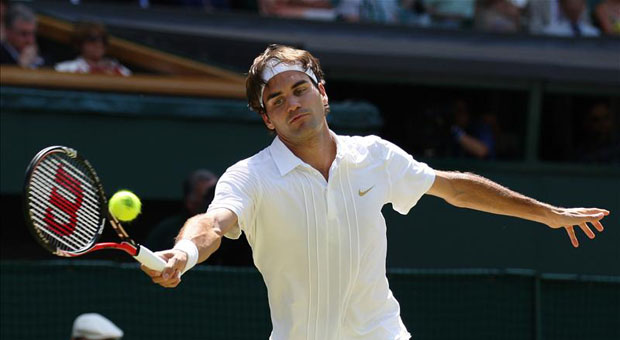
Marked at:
<point>149,259</point>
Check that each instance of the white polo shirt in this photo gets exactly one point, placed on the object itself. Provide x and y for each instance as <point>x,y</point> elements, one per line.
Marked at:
<point>321,245</point>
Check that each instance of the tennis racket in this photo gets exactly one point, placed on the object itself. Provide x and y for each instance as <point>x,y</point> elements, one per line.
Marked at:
<point>66,208</point>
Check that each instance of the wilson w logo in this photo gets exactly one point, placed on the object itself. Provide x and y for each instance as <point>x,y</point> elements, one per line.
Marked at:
<point>71,184</point>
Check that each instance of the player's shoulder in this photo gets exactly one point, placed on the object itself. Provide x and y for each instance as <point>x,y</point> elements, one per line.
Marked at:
<point>371,149</point>
<point>371,144</point>
<point>259,163</point>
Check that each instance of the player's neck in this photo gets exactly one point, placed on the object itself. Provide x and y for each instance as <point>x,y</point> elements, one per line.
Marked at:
<point>318,151</point>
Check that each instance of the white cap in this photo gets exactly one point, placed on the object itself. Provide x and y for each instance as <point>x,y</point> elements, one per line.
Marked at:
<point>95,326</point>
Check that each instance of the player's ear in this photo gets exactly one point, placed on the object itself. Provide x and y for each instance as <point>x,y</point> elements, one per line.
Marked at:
<point>267,121</point>
<point>323,95</point>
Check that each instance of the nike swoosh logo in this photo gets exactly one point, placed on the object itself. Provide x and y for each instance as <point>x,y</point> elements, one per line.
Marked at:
<point>362,193</point>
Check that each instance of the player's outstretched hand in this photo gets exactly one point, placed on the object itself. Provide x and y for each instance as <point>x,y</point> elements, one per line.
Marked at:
<point>568,218</point>
<point>170,277</point>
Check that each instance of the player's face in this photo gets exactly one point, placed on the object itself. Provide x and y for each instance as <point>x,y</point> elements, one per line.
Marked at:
<point>295,106</point>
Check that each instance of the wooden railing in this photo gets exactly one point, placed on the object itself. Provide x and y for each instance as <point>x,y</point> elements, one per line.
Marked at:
<point>151,84</point>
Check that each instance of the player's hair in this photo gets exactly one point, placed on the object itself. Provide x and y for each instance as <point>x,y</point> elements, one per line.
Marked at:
<point>254,80</point>
<point>88,30</point>
<point>19,12</point>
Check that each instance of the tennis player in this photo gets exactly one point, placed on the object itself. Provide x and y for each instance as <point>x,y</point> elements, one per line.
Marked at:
<point>310,207</point>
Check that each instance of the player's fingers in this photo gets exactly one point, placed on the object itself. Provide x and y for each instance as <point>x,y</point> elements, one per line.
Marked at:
<point>170,268</point>
<point>172,283</point>
<point>587,230</point>
<point>598,225</point>
<point>589,218</point>
<point>173,267</point>
<point>159,280</point>
<point>169,283</point>
<point>148,271</point>
<point>595,211</point>
<point>572,236</point>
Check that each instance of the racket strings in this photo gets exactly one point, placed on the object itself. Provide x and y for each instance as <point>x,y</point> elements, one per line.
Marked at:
<point>90,208</point>
<point>75,237</point>
<point>47,172</point>
<point>61,212</point>
<point>64,203</point>
<point>78,172</point>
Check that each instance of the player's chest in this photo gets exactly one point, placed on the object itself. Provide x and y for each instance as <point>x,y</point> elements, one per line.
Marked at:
<point>303,203</point>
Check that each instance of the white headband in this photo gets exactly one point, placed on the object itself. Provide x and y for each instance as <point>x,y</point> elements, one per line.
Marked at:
<point>275,67</point>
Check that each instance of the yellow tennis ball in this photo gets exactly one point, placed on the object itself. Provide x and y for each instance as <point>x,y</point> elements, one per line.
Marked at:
<point>124,205</point>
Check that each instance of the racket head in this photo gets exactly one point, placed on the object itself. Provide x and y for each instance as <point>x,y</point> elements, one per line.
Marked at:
<point>64,204</point>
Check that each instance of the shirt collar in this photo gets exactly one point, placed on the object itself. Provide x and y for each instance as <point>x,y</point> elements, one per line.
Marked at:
<point>286,160</point>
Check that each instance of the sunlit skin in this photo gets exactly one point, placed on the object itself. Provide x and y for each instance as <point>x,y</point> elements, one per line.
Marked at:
<point>295,110</point>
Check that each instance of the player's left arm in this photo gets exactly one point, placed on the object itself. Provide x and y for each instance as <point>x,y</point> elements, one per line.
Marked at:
<point>471,191</point>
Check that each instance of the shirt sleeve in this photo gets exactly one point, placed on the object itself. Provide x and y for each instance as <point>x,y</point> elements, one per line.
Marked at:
<point>237,191</point>
<point>408,178</point>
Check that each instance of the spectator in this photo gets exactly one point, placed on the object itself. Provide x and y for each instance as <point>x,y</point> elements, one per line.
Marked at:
<point>600,142</point>
<point>20,47</point>
<point>450,13</point>
<point>571,21</point>
<point>497,16</point>
<point>541,13</point>
<point>471,139</point>
<point>197,194</point>
<point>94,326</point>
<point>608,16</point>
<point>348,10</point>
<point>383,11</point>
<point>219,5</point>
<point>305,9</point>
<point>413,13</point>
<point>91,39</point>
<point>2,21</point>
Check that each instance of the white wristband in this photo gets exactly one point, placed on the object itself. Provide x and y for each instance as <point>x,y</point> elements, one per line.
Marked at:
<point>191,250</point>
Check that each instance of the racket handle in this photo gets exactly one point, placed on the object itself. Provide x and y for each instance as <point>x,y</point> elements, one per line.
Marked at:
<point>149,259</point>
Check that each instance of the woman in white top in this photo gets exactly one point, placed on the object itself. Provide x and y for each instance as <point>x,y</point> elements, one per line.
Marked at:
<point>91,40</point>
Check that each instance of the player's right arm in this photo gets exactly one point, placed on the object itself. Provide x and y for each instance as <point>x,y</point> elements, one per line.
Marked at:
<point>206,232</point>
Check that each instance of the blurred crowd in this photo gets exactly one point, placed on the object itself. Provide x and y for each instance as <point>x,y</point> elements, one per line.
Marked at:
<point>547,17</point>
<point>567,18</point>
<point>452,126</point>
<point>544,17</point>
<point>18,44</point>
